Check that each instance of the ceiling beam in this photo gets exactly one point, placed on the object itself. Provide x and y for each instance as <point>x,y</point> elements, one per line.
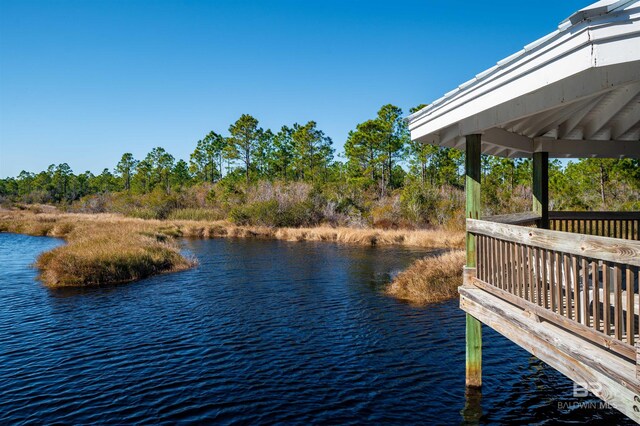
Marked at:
<point>565,148</point>
<point>504,139</point>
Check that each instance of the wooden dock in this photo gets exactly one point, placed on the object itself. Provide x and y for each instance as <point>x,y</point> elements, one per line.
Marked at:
<point>570,299</point>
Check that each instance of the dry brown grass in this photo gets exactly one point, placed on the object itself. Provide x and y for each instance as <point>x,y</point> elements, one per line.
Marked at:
<point>59,224</point>
<point>97,252</point>
<point>105,248</point>
<point>429,280</point>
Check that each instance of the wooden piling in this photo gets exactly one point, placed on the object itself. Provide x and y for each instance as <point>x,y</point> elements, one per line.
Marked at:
<point>473,326</point>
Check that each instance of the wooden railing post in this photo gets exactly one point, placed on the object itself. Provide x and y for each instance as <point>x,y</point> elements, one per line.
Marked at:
<point>473,326</point>
<point>541,187</point>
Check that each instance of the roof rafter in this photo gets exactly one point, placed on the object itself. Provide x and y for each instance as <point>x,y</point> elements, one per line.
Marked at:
<point>626,122</point>
<point>614,102</point>
<point>572,122</point>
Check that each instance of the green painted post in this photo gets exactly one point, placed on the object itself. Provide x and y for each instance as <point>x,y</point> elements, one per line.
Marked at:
<point>473,326</point>
<point>541,187</point>
<point>474,353</point>
<point>472,189</point>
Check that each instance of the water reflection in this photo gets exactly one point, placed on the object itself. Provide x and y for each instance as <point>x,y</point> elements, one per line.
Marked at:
<point>472,411</point>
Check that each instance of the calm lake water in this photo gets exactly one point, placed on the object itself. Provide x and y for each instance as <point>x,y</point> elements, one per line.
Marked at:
<point>261,332</point>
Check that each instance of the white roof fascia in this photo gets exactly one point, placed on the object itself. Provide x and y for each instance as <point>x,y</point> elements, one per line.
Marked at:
<point>596,9</point>
<point>569,50</point>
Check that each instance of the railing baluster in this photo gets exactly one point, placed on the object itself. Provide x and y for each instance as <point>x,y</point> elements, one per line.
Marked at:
<point>617,305</point>
<point>576,287</point>
<point>519,265</point>
<point>497,266</point>
<point>596,294</point>
<point>606,299</point>
<point>485,258</point>
<point>552,281</point>
<point>567,284</point>
<point>490,279</point>
<point>586,318</point>
<point>480,253</point>
<point>508,259</point>
<point>545,294</point>
<point>628,229</point>
<point>504,265</point>
<point>540,279</point>
<point>514,269</point>
<point>525,272</point>
<point>530,274</point>
<point>502,270</point>
<point>630,306</point>
<point>558,274</point>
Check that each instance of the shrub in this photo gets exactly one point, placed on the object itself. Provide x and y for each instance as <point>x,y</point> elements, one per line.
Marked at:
<point>271,213</point>
<point>195,214</point>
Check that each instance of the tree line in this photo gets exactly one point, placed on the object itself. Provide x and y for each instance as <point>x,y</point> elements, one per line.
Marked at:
<point>374,152</point>
<point>379,158</point>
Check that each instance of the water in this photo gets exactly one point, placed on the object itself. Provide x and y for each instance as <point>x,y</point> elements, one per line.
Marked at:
<point>260,332</point>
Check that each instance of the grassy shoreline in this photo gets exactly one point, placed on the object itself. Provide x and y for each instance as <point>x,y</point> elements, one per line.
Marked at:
<point>107,248</point>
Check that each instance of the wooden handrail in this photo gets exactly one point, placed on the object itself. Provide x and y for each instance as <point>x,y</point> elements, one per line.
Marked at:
<point>602,248</point>
<point>625,225</point>
<point>526,218</point>
<point>600,215</point>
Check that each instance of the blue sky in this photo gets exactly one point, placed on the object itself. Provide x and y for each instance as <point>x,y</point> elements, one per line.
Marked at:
<point>84,81</point>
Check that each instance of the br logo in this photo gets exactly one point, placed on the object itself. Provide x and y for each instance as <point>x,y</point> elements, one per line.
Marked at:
<point>580,389</point>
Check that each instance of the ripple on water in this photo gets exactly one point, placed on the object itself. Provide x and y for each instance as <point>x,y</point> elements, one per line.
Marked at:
<point>260,332</point>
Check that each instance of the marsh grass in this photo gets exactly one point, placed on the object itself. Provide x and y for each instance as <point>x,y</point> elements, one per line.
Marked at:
<point>108,248</point>
<point>429,280</point>
<point>98,252</point>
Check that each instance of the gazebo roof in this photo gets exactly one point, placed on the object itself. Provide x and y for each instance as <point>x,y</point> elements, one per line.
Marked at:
<point>573,93</point>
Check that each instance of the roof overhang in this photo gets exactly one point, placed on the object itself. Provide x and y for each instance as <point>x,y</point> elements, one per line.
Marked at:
<point>574,93</point>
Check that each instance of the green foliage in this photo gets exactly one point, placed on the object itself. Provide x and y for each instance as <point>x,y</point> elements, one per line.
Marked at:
<point>195,214</point>
<point>272,213</point>
<point>206,160</point>
<point>291,178</point>
<point>125,168</point>
<point>506,184</point>
<point>311,152</point>
<point>245,135</point>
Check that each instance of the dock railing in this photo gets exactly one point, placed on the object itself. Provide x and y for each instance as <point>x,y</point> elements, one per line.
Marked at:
<point>586,284</point>
<point>624,225</point>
